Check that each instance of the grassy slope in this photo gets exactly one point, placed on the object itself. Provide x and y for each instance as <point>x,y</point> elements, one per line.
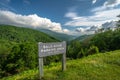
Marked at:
<point>105,66</point>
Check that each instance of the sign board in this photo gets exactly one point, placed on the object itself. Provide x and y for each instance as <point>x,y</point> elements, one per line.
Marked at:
<point>48,49</point>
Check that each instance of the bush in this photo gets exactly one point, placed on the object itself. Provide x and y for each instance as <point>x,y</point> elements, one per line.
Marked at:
<point>92,50</point>
<point>81,54</point>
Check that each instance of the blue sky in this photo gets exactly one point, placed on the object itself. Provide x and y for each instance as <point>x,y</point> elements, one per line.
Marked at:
<point>65,16</point>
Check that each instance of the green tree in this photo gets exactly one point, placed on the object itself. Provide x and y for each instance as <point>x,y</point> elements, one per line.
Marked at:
<point>92,50</point>
<point>73,49</point>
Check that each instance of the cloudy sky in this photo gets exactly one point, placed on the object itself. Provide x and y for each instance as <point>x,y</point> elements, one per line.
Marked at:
<point>65,16</point>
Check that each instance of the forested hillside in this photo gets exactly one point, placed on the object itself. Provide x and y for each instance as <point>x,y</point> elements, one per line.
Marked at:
<point>19,34</point>
<point>83,37</point>
<point>18,49</point>
<point>99,42</point>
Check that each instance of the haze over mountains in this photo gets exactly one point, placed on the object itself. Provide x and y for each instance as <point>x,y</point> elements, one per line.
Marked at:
<point>60,36</point>
<point>68,37</point>
<point>91,30</point>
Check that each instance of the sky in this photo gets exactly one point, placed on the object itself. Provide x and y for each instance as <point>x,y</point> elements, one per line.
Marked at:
<point>72,17</point>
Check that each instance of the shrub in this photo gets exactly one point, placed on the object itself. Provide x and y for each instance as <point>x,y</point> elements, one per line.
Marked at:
<point>92,50</point>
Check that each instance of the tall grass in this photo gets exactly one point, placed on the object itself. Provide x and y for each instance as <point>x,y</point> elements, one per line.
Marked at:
<point>102,66</point>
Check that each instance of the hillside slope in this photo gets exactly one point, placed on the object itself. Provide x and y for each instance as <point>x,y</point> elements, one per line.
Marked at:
<point>60,36</point>
<point>19,49</point>
<point>19,34</point>
<point>103,66</point>
<point>83,37</point>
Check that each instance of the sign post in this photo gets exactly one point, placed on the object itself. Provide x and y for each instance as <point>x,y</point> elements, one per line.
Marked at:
<point>41,67</point>
<point>48,49</point>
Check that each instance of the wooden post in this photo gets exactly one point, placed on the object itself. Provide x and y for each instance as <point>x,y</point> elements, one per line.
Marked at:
<point>40,63</point>
<point>64,58</point>
<point>41,67</point>
<point>64,62</point>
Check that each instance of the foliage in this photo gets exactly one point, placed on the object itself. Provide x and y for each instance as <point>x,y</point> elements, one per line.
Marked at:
<point>94,67</point>
<point>93,50</point>
<point>18,49</point>
<point>19,34</point>
<point>73,49</point>
<point>107,41</point>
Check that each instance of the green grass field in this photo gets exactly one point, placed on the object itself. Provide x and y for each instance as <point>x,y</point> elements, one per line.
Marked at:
<point>102,66</point>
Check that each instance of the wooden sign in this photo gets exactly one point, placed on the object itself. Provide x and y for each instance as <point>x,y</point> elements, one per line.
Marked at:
<point>48,49</point>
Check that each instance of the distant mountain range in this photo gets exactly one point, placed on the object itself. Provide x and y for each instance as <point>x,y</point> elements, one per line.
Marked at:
<point>83,37</point>
<point>21,34</point>
<point>105,26</point>
<point>12,32</point>
<point>59,36</point>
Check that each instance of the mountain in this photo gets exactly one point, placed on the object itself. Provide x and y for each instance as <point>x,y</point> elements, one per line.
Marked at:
<point>59,36</point>
<point>83,37</point>
<point>20,34</point>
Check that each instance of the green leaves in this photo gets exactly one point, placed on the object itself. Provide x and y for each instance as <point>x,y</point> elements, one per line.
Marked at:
<point>19,49</point>
<point>107,41</point>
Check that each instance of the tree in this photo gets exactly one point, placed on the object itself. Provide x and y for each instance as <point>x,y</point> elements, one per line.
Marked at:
<point>73,49</point>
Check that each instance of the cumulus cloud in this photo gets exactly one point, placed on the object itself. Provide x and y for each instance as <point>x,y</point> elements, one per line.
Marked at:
<point>31,21</point>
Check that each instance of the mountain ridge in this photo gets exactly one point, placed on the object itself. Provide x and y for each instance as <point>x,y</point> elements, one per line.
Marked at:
<point>21,34</point>
<point>60,36</point>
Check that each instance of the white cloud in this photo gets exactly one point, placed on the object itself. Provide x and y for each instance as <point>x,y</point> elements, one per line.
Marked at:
<point>94,1</point>
<point>71,15</point>
<point>105,13</point>
<point>80,29</point>
<point>66,31</point>
<point>111,3</point>
<point>32,21</point>
<point>97,19</point>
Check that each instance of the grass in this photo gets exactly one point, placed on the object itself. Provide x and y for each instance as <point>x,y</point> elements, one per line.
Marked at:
<point>102,66</point>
